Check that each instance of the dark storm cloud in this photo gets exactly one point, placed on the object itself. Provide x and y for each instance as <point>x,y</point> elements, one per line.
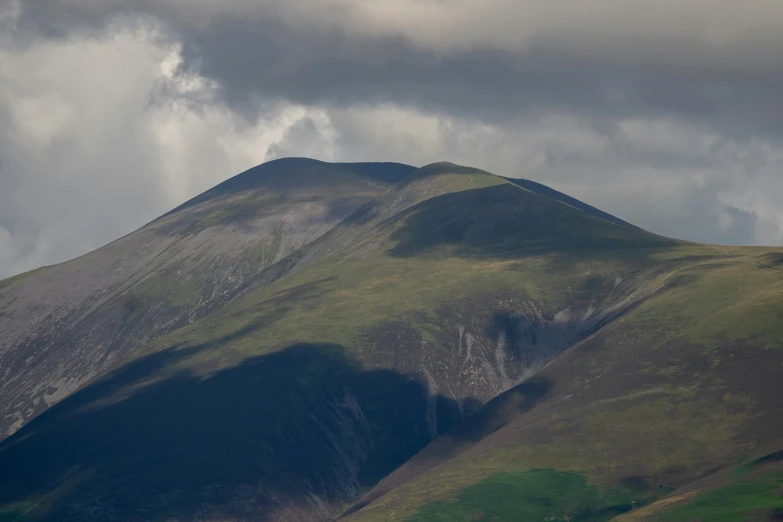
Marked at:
<point>314,66</point>
<point>271,56</point>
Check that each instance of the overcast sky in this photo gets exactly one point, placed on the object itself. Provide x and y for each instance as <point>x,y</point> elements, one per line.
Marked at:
<point>668,114</point>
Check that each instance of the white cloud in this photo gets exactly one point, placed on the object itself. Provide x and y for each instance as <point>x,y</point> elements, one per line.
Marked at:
<point>100,136</point>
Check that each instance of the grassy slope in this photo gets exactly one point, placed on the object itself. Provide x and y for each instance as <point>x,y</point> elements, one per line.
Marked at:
<point>684,384</point>
<point>536,494</point>
<point>660,396</point>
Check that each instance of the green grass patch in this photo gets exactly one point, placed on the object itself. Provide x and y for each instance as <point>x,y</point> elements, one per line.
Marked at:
<point>735,503</point>
<point>534,495</point>
<point>239,208</point>
<point>769,458</point>
<point>169,286</point>
<point>37,507</point>
<point>16,511</point>
<point>19,277</point>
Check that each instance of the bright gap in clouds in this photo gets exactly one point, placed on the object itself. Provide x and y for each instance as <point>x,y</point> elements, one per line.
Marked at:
<point>101,134</point>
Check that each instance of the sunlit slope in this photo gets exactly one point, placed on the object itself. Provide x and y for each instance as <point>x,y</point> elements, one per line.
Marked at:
<point>67,324</point>
<point>343,359</point>
<point>682,385</point>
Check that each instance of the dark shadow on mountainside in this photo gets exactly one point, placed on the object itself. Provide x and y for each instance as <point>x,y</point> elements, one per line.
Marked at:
<point>282,436</point>
<point>476,426</point>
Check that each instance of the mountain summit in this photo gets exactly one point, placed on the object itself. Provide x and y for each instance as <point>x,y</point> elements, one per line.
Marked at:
<point>310,341</point>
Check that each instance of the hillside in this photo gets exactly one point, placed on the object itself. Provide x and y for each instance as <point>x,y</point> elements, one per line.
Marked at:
<point>686,383</point>
<point>66,324</point>
<point>459,346</point>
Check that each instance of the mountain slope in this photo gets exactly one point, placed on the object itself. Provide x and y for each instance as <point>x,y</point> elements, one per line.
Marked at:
<point>66,324</point>
<point>684,384</point>
<point>443,291</point>
<point>477,336</point>
<point>543,190</point>
<point>437,239</point>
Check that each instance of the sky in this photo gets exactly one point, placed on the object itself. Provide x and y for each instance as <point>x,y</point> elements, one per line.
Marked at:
<point>668,114</point>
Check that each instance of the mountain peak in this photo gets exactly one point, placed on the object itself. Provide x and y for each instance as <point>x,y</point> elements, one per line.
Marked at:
<point>294,173</point>
<point>452,177</point>
<point>447,167</point>
<point>442,164</point>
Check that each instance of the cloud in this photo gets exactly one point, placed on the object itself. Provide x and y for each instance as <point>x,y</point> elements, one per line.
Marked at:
<point>667,113</point>
<point>98,137</point>
<point>715,60</point>
<point>720,33</point>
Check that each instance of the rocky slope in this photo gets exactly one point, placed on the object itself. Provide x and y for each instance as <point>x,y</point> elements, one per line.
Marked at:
<point>456,338</point>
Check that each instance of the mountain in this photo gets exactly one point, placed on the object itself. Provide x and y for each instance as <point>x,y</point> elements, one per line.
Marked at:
<point>66,324</point>
<point>451,345</point>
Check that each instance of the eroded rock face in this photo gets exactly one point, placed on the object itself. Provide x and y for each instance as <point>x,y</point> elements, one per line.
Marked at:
<point>490,344</point>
